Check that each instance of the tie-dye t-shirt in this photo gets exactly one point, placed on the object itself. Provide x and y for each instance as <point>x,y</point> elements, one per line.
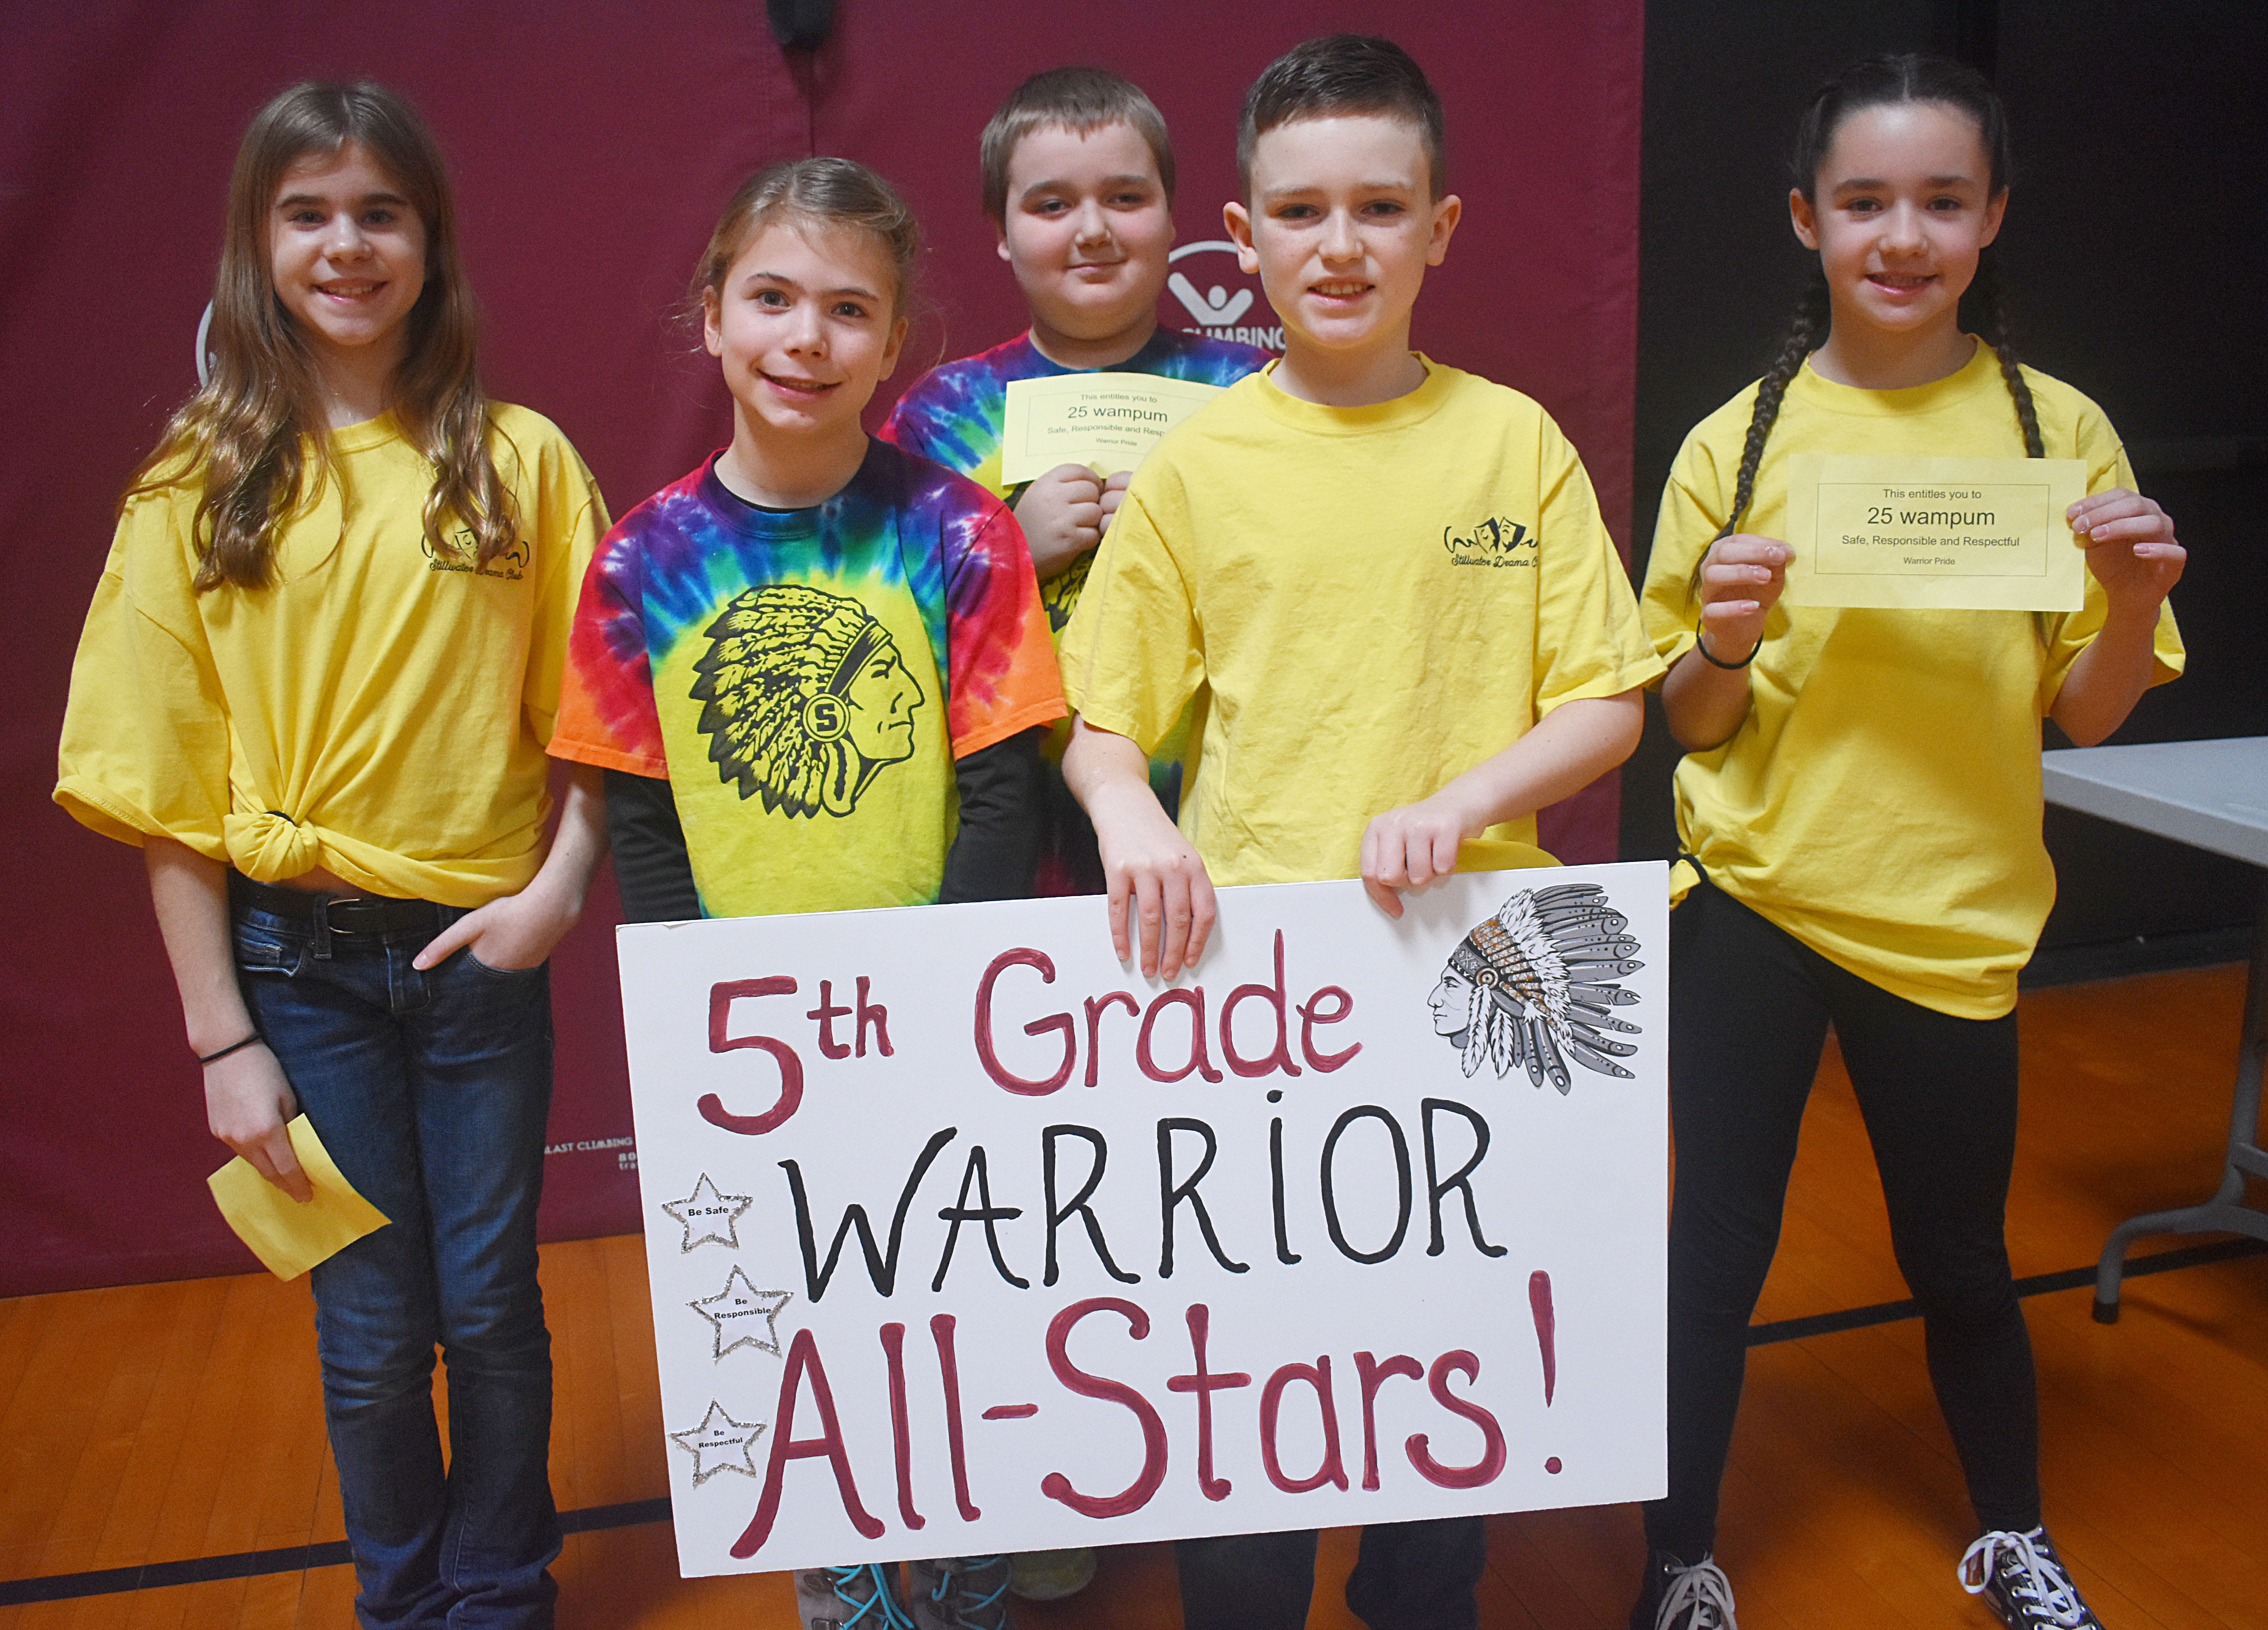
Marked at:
<point>954,414</point>
<point>805,679</point>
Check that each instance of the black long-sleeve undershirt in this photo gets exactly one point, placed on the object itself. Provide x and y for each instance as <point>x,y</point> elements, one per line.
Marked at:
<point>653,872</point>
<point>997,849</point>
<point>993,858</point>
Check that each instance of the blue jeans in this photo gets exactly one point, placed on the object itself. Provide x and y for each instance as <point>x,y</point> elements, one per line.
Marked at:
<point>430,1090</point>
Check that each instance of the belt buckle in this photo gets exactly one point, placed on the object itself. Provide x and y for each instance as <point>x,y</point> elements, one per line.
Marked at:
<point>325,928</point>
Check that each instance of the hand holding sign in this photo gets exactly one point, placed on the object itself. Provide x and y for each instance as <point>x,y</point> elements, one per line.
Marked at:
<point>1364,1225</point>
<point>1161,898</point>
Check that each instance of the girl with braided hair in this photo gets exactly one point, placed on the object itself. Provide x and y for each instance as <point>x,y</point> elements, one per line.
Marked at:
<point>1861,798</point>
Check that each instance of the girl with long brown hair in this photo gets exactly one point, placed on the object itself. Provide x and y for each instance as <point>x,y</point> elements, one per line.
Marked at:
<point>315,687</point>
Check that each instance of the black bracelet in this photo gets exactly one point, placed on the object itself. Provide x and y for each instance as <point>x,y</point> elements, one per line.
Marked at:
<point>1702,645</point>
<point>254,1038</point>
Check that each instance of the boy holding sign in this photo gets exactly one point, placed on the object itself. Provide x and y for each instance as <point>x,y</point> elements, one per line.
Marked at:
<point>1388,587</point>
<point>1078,180</point>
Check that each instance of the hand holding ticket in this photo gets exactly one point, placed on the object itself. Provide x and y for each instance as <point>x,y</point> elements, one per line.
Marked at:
<point>2129,544</point>
<point>1061,512</point>
<point>288,1237</point>
<point>1106,421</point>
<point>1743,578</point>
<point>1960,534</point>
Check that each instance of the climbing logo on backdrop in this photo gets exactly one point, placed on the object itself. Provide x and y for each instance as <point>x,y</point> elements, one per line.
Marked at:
<point>1221,311</point>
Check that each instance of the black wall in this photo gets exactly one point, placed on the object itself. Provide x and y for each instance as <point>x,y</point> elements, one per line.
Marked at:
<point>2136,257</point>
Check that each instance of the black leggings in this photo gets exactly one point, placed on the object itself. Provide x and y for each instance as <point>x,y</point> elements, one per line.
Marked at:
<point>1749,1011</point>
<point>1421,1576</point>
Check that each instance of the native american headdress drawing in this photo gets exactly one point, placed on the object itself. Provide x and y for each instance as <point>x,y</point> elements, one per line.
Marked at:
<point>780,715</point>
<point>1541,976</point>
<point>1059,594</point>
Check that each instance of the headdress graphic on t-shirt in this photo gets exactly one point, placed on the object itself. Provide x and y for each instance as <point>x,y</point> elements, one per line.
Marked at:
<point>1059,594</point>
<point>1532,986</point>
<point>806,698</point>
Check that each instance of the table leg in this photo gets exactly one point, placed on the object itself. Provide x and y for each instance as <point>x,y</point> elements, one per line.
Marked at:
<point>2226,1213</point>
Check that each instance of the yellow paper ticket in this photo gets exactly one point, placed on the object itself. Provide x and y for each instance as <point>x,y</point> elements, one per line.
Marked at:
<point>1108,421</point>
<point>288,1237</point>
<point>1954,534</point>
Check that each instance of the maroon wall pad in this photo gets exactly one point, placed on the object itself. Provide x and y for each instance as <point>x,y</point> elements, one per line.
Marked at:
<point>591,150</point>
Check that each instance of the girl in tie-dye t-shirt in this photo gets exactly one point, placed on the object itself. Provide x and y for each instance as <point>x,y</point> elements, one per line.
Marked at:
<point>816,667</point>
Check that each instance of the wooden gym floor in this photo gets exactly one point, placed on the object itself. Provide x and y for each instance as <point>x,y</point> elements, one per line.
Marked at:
<point>157,1440</point>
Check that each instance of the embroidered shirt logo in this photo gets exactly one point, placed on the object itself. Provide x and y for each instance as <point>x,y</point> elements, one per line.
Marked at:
<point>1497,541</point>
<point>806,698</point>
<point>463,553</point>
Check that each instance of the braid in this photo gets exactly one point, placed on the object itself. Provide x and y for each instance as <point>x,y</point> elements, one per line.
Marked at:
<point>1805,329</point>
<point>1988,301</point>
<point>2027,415</point>
<point>1992,308</point>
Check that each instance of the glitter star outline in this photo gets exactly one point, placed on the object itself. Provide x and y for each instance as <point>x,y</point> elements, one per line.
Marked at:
<point>737,1300</point>
<point>699,1211</point>
<point>716,1435</point>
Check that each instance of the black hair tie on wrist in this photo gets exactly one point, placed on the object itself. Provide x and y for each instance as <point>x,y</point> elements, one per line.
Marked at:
<point>1702,645</point>
<point>253,1040</point>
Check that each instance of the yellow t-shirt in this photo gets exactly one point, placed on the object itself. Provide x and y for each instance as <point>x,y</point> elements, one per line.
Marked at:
<point>381,712</point>
<point>1882,800</point>
<point>1365,602</point>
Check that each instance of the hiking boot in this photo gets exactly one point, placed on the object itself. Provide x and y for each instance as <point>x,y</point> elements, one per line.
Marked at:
<point>1678,1596</point>
<point>2022,1578</point>
<point>1050,1575</point>
<point>864,1598</point>
<point>959,1593</point>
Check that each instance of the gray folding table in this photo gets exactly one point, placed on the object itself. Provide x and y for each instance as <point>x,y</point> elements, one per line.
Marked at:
<point>2213,794</point>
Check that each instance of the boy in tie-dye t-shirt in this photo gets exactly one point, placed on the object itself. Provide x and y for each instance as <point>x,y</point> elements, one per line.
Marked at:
<point>1078,180</point>
<point>953,414</point>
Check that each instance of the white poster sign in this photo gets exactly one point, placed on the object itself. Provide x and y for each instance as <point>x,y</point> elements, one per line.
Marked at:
<point>966,1238</point>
